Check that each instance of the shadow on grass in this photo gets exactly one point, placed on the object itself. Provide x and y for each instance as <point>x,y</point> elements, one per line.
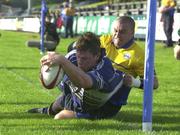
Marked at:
<point>163,119</point>
<point>123,121</point>
<point>25,103</point>
<point>166,120</point>
<point>86,125</point>
<point>74,127</point>
<point>22,115</point>
<point>158,118</point>
<point>156,105</point>
<point>18,68</point>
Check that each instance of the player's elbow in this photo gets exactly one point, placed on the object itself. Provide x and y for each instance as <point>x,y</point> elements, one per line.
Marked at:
<point>83,82</point>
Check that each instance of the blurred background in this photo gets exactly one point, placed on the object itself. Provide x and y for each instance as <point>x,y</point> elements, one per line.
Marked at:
<point>91,15</point>
<point>84,7</point>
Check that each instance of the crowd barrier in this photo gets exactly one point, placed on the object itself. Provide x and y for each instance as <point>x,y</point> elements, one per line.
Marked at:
<point>97,24</point>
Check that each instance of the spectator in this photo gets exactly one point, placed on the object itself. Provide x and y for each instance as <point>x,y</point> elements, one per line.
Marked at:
<point>167,10</point>
<point>68,18</point>
<point>125,54</point>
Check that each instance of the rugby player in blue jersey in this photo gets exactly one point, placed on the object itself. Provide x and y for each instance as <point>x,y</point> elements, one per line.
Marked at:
<point>91,88</point>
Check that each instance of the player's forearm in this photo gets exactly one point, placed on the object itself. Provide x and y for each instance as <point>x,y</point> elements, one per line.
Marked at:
<point>141,83</point>
<point>138,82</point>
<point>76,75</point>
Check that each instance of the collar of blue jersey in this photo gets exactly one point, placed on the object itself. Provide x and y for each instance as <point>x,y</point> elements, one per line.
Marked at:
<point>129,43</point>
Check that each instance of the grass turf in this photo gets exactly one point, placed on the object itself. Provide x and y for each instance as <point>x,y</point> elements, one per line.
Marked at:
<point>21,90</point>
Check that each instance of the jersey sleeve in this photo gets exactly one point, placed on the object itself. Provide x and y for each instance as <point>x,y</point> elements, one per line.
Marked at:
<point>71,56</point>
<point>137,61</point>
<point>139,67</point>
<point>105,40</point>
<point>105,77</point>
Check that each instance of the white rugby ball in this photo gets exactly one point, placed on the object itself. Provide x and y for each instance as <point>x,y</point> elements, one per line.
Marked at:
<point>51,76</point>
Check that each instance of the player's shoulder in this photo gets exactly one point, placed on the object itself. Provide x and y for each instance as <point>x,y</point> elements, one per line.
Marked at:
<point>134,51</point>
<point>106,39</point>
<point>71,56</point>
<point>104,63</point>
<point>137,47</point>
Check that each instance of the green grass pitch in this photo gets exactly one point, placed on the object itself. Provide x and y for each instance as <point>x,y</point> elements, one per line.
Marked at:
<point>20,90</point>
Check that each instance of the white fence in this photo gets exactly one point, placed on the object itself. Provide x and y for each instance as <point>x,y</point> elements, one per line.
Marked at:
<point>33,25</point>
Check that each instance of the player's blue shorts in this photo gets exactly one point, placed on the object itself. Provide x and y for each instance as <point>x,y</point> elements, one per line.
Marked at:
<point>69,102</point>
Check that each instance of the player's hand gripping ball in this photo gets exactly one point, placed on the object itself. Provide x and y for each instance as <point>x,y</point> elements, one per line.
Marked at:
<point>51,76</point>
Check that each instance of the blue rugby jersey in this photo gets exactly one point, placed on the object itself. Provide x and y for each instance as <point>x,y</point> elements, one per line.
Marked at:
<point>106,82</point>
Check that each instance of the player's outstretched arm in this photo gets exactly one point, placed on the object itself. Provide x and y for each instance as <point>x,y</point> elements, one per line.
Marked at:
<point>76,75</point>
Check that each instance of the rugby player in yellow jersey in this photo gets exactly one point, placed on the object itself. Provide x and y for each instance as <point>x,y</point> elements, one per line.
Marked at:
<point>125,54</point>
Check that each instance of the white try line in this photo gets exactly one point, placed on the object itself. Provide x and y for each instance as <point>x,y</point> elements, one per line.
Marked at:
<point>23,78</point>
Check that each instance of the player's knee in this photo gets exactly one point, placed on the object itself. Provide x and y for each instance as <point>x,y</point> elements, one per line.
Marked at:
<point>65,114</point>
